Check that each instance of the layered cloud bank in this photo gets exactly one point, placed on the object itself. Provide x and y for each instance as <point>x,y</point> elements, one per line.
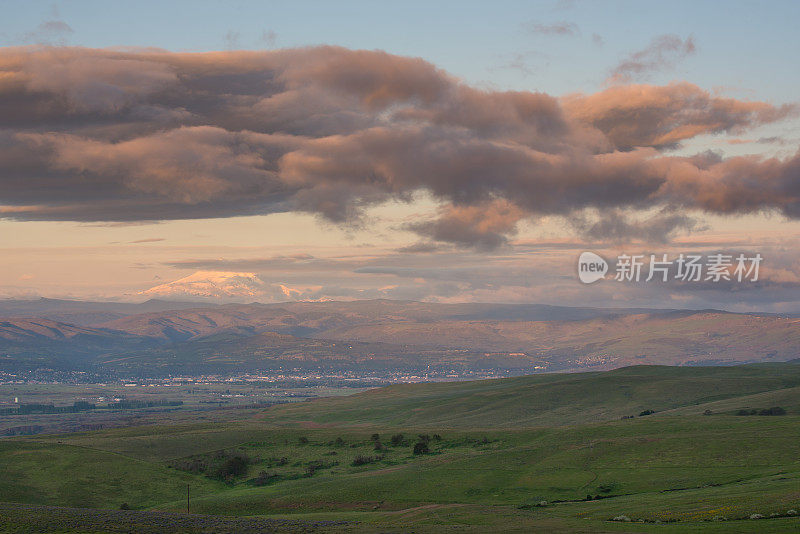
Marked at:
<point>115,135</point>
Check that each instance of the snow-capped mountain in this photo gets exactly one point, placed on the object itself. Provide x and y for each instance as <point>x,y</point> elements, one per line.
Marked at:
<point>210,285</point>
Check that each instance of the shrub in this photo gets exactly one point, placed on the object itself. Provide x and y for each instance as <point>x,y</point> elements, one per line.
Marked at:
<point>397,440</point>
<point>302,440</point>
<point>124,506</point>
<point>437,437</point>
<point>339,442</point>
<point>362,460</point>
<point>708,412</point>
<point>421,448</point>
<point>775,410</point>
<point>646,412</point>
<point>425,438</point>
<point>378,446</point>
<point>606,488</point>
<point>232,467</point>
<point>375,437</point>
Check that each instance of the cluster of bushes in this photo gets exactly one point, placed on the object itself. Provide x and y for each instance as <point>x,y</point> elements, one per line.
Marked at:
<point>279,462</point>
<point>364,460</point>
<point>222,465</point>
<point>421,446</point>
<point>641,414</point>
<point>315,465</point>
<point>775,410</point>
<point>483,441</point>
<point>135,404</point>
<point>34,408</point>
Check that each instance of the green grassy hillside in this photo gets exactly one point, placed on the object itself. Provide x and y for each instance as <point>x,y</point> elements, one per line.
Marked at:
<point>553,399</point>
<point>60,474</point>
<point>532,454</point>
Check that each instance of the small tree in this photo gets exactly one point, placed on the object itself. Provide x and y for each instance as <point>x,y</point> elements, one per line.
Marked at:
<point>421,447</point>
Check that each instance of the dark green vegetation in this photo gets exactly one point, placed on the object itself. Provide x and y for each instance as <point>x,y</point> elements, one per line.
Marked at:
<point>378,335</point>
<point>531,454</point>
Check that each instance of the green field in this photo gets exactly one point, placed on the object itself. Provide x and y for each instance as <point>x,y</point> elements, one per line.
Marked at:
<point>548,453</point>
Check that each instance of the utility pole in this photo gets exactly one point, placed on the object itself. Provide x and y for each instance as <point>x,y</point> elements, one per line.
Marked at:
<point>187,498</point>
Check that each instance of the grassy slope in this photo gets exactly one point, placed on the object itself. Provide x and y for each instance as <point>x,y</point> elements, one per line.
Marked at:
<point>555,399</point>
<point>525,467</point>
<point>68,475</point>
<point>676,465</point>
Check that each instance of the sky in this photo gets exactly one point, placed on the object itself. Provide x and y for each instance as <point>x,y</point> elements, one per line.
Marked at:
<point>442,151</point>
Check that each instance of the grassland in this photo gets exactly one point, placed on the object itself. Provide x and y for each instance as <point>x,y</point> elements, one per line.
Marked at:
<point>555,399</point>
<point>532,454</point>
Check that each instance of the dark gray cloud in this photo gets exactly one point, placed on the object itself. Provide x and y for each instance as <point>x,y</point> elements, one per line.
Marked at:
<point>618,227</point>
<point>423,247</point>
<point>145,135</point>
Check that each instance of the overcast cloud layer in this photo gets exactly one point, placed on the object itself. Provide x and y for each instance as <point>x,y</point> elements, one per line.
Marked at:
<point>115,135</point>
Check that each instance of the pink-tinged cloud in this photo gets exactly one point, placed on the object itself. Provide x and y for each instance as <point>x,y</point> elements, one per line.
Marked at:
<point>112,135</point>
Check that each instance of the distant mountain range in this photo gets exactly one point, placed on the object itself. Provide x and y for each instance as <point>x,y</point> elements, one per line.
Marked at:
<point>160,337</point>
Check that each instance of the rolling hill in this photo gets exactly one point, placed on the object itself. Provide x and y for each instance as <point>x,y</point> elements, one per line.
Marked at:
<point>527,454</point>
<point>558,399</point>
